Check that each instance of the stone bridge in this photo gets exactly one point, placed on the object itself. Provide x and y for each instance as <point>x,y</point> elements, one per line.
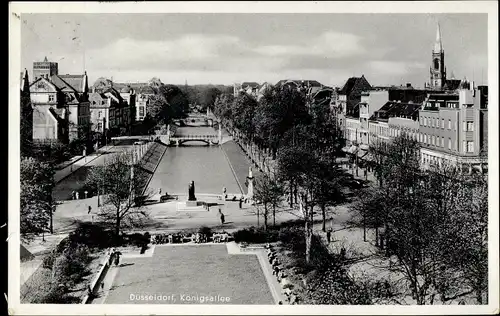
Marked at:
<point>181,139</point>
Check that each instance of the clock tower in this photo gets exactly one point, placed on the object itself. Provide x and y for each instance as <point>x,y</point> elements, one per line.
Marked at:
<point>438,70</point>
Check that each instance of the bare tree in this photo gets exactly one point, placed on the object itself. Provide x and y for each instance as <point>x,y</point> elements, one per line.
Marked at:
<point>121,182</point>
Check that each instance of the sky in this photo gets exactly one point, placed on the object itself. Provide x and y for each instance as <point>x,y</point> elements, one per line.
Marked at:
<point>216,48</point>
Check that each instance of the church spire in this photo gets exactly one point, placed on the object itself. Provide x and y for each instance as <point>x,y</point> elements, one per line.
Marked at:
<point>26,82</point>
<point>438,45</point>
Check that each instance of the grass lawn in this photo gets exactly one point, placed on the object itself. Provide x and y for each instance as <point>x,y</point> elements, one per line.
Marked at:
<point>176,273</point>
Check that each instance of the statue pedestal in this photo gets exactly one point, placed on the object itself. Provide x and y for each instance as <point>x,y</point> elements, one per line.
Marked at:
<point>191,206</point>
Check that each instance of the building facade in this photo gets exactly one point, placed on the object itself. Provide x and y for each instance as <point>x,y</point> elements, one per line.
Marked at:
<point>61,110</point>
<point>349,96</point>
<point>453,128</point>
<point>44,69</point>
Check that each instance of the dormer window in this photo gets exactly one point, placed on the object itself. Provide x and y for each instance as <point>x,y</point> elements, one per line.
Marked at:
<point>51,98</point>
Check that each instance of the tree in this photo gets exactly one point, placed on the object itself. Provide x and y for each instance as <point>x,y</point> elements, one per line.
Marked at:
<point>37,183</point>
<point>268,195</point>
<point>377,150</point>
<point>121,181</point>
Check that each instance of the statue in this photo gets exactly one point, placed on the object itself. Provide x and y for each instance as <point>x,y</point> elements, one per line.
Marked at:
<point>191,192</point>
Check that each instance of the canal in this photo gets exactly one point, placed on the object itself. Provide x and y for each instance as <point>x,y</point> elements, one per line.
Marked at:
<point>208,166</point>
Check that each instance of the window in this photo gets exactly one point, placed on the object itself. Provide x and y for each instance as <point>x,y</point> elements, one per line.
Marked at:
<point>433,140</point>
<point>141,111</point>
<point>470,146</point>
<point>99,114</point>
<point>423,121</point>
<point>449,124</point>
<point>442,142</point>
<point>51,98</point>
<point>99,126</point>
<point>442,123</point>
<point>449,143</point>
<point>470,126</point>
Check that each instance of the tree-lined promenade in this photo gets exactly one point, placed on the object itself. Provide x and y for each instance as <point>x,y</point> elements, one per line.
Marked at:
<point>430,223</point>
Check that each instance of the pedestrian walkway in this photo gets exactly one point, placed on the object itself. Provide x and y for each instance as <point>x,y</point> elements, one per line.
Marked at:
<point>68,170</point>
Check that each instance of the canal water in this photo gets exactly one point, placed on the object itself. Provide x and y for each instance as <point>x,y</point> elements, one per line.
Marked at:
<point>207,166</point>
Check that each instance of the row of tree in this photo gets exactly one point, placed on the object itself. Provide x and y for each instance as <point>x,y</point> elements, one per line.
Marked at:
<point>433,220</point>
<point>435,223</point>
<point>302,138</point>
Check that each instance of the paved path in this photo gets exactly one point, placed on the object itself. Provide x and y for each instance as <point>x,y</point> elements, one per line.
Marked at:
<point>76,180</point>
<point>167,216</point>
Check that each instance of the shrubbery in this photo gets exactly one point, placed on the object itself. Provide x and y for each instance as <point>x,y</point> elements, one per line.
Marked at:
<point>93,236</point>
<point>255,235</point>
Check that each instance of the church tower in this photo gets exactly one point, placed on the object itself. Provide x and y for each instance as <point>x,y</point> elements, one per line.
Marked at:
<point>438,70</point>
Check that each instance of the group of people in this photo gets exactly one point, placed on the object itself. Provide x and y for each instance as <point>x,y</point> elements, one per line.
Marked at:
<point>114,257</point>
<point>195,237</point>
<point>281,276</point>
<point>75,195</point>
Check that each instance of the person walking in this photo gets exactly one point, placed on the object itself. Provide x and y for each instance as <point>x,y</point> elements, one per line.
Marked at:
<point>73,194</point>
<point>222,219</point>
<point>241,201</point>
<point>328,235</point>
<point>90,209</point>
<point>77,196</point>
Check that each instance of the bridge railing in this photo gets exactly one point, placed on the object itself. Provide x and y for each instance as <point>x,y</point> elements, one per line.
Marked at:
<point>193,137</point>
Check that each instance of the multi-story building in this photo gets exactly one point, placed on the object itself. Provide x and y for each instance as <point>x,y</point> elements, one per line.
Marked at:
<point>453,127</point>
<point>143,96</point>
<point>110,114</point>
<point>349,96</point>
<point>61,110</point>
<point>45,68</point>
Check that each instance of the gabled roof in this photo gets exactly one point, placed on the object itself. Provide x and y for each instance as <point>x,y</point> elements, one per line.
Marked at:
<point>351,83</point>
<point>67,83</point>
<point>45,81</point>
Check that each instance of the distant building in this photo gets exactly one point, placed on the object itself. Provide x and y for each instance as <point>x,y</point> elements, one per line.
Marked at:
<point>346,108</point>
<point>454,127</point>
<point>44,69</point>
<point>110,113</point>
<point>61,110</point>
<point>438,76</point>
<point>143,97</point>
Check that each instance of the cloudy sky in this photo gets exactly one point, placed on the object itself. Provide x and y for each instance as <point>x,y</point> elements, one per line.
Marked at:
<point>227,48</point>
